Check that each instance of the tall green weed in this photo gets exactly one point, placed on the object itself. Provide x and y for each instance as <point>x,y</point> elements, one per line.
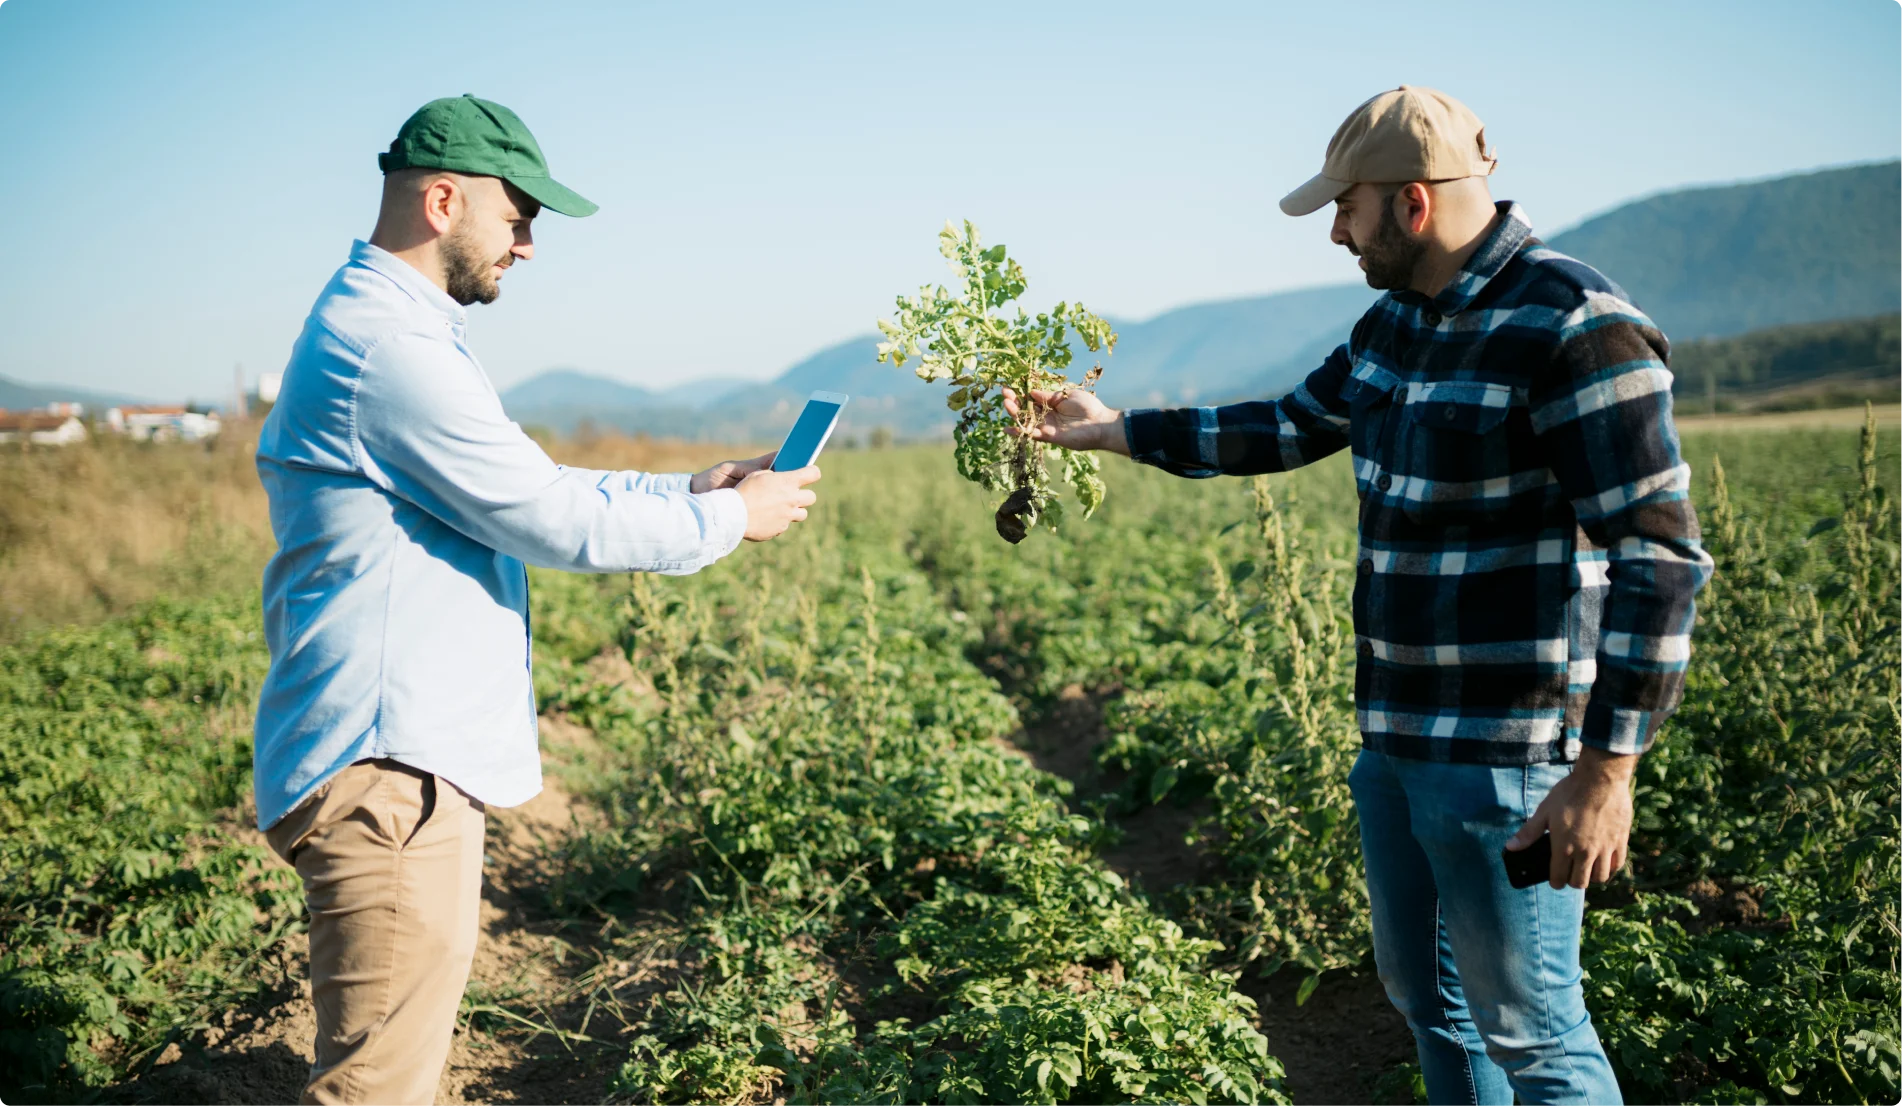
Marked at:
<point>1777,781</point>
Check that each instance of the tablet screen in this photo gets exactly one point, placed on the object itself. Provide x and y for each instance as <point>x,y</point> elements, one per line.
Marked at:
<point>808,434</point>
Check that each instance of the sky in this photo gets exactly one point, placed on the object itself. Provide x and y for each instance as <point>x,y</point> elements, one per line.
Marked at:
<point>181,178</point>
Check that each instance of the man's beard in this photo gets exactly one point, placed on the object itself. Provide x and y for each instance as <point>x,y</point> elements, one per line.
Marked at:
<point>466,276</point>
<point>1391,256</point>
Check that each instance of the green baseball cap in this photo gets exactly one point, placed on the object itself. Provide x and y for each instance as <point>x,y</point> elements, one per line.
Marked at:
<point>467,135</point>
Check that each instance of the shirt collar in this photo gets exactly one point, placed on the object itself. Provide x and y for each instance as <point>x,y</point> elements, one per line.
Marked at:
<point>414,284</point>
<point>1499,247</point>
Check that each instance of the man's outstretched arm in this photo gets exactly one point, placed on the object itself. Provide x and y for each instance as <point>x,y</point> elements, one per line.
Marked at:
<point>1240,439</point>
<point>430,430</point>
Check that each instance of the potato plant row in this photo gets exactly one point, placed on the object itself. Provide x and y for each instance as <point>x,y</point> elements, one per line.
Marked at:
<point>1751,951</point>
<point>822,766</point>
<point>803,759</point>
<point>889,904</point>
<point>129,915</point>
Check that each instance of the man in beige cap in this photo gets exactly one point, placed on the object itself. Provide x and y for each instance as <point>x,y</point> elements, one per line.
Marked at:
<point>1523,593</point>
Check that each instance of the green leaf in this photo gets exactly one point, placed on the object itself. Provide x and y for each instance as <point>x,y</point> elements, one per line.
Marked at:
<point>1160,783</point>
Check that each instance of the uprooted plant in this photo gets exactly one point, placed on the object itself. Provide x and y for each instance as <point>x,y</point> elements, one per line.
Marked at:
<point>966,340</point>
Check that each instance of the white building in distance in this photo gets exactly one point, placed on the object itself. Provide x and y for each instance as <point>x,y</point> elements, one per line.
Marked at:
<point>162,423</point>
<point>40,428</point>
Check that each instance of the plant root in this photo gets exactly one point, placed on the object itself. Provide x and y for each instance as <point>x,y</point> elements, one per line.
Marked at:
<point>1016,514</point>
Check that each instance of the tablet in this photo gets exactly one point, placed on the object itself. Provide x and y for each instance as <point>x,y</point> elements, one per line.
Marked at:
<point>809,434</point>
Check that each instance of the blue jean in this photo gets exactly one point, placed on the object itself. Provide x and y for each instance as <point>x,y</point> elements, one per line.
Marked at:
<point>1486,974</point>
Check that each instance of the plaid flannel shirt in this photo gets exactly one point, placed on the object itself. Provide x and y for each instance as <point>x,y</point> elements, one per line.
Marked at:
<point>1528,550</point>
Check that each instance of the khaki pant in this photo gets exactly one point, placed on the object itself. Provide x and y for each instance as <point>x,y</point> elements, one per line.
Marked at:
<point>391,859</point>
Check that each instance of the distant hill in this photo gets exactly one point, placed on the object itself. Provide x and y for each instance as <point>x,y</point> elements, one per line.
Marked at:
<point>1209,350</point>
<point>1794,367</point>
<point>563,398</point>
<point>1709,262</point>
<point>18,396</point>
<point>1200,351</point>
<point>1704,262</point>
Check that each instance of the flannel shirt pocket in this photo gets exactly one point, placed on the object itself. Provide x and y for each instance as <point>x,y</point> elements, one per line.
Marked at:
<point>1458,456</point>
<point>1360,392</point>
<point>1369,398</point>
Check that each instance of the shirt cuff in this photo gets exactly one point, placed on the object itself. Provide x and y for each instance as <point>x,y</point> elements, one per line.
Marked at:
<point>1141,432</point>
<point>727,519</point>
<point>1622,730</point>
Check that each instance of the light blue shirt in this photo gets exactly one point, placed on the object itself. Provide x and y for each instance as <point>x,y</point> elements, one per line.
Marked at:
<point>405,504</point>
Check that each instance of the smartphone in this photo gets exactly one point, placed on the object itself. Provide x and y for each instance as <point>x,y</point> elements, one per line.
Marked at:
<point>808,435</point>
<point>1531,865</point>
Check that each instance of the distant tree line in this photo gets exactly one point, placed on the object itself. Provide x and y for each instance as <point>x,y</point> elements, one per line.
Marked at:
<point>1803,365</point>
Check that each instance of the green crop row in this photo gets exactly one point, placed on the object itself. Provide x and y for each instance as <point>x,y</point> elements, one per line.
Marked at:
<point>889,905</point>
<point>804,753</point>
<point>128,917</point>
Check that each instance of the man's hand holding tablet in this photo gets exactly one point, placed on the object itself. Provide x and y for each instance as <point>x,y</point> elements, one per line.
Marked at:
<point>773,485</point>
<point>776,500</point>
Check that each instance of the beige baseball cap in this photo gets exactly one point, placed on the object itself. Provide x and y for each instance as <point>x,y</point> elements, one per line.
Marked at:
<point>1408,134</point>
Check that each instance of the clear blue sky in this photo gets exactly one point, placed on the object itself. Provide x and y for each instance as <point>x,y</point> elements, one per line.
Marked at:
<point>181,178</point>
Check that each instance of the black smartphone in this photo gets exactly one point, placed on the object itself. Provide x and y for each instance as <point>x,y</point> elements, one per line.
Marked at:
<point>1531,865</point>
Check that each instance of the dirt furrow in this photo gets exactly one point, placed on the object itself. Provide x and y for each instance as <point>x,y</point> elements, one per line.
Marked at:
<point>1337,1045</point>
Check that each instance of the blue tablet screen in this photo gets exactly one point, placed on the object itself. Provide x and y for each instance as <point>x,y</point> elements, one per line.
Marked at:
<point>808,434</point>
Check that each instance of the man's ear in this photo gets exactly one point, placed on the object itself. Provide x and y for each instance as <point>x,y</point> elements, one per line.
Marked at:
<point>1413,207</point>
<point>443,203</point>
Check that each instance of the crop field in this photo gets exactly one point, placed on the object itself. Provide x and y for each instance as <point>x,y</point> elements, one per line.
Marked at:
<point>892,811</point>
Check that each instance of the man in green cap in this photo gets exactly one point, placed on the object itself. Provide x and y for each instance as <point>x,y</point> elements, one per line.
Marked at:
<point>405,504</point>
<point>481,149</point>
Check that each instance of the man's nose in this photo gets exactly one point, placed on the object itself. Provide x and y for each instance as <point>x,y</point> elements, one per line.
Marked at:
<point>524,249</point>
<point>1339,236</point>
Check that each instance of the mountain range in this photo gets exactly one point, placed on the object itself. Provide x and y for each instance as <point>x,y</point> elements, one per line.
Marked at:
<point>16,396</point>
<point>1716,262</point>
<point>1705,263</point>
<point>1712,262</point>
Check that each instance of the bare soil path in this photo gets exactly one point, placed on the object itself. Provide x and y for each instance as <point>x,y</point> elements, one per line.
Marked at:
<point>1338,1044</point>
